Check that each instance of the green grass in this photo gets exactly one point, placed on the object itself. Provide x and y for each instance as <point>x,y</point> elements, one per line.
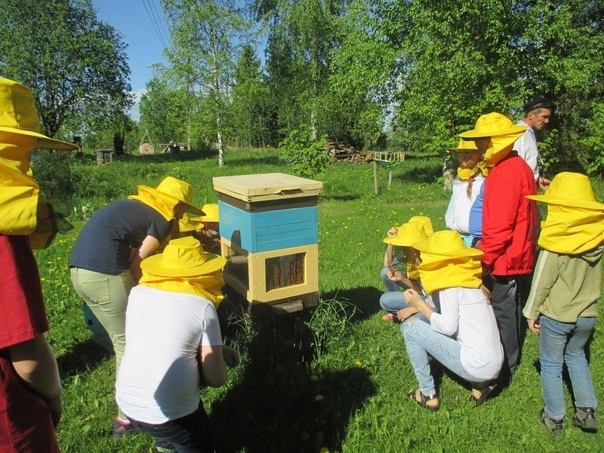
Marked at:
<point>334,381</point>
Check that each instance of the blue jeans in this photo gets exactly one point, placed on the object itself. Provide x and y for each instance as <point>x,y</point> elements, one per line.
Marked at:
<point>422,341</point>
<point>393,301</point>
<point>564,342</point>
<point>389,284</point>
<point>189,434</point>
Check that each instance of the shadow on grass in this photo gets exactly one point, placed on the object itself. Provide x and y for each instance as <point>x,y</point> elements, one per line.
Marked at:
<point>83,357</point>
<point>347,197</point>
<point>250,160</point>
<point>366,300</point>
<point>425,174</point>
<point>279,403</point>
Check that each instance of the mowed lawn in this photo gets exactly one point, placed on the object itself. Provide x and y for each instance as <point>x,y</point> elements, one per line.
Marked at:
<point>332,380</point>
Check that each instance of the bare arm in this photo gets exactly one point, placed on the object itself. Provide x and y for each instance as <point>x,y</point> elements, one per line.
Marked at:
<point>35,363</point>
<point>147,248</point>
<point>389,255</point>
<point>414,300</point>
<point>213,363</point>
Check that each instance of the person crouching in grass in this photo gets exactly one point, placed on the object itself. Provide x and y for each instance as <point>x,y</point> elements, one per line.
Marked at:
<point>395,280</point>
<point>174,345</point>
<point>561,307</point>
<point>463,337</point>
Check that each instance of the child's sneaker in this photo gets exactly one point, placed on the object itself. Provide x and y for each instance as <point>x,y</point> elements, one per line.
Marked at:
<point>585,418</point>
<point>121,427</point>
<point>554,426</point>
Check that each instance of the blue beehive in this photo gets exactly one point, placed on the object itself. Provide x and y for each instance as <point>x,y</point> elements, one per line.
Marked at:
<point>269,233</point>
<point>260,213</point>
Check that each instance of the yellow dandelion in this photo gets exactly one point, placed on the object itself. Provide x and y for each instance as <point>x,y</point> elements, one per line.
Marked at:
<point>358,363</point>
<point>319,398</point>
<point>324,450</point>
<point>314,377</point>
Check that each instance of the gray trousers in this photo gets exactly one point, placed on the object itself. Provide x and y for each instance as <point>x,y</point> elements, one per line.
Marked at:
<point>508,296</point>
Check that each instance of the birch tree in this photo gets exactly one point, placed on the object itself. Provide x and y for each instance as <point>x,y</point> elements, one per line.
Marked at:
<point>206,37</point>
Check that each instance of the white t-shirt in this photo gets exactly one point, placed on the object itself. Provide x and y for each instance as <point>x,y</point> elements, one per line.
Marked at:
<point>457,216</point>
<point>158,379</point>
<point>526,146</point>
<point>466,316</point>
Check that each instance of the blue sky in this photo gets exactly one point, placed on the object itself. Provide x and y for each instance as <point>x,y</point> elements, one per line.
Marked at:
<point>132,19</point>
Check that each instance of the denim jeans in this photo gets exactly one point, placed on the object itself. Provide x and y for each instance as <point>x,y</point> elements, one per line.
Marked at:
<point>563,342</point>
<point>389,284</point>
<point>421,341</point>
<point>189,434</point>
<point>393,301</point>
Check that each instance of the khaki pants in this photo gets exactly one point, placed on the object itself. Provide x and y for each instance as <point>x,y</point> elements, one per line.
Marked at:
<point>107,297</point>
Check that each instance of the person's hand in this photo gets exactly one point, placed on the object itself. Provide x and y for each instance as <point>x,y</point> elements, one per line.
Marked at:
<point>405,313</point>
<point>392,232</point>
<point>231,356</point>
<point>413,298</point>
<point>55,406</point>
<point>543,183</point>
<point>394,275</point>
<point>534,326</point>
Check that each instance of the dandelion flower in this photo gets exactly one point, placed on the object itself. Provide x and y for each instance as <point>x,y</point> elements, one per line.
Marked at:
<point>319,398</point>
<point>314,377</point>
<point>358,363</point>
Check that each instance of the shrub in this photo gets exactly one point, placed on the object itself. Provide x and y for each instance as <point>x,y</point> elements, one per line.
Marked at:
<point>304,155</point>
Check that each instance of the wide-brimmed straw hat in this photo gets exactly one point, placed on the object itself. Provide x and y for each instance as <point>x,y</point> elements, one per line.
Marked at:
<point>446,243</point>
<point>407,234</point>
<point>570,189</point>
<point>493,125</point>
<point>465,145</point>
<point>18,115</point>
<point>174,191</point>
<point>188,223</point>
<point>425,221</point>
<point>211,213</point>
<point>501,131</point>
<point>183,257</point>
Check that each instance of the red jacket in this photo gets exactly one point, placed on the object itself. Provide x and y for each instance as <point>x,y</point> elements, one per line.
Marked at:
<point>509,218</point>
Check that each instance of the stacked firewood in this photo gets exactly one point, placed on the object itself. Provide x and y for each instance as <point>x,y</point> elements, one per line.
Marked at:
<point>346,153</point>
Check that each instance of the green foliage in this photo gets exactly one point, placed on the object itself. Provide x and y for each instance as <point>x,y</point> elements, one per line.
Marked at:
<point>305,156</point>
<point>206,37</point>
<point>594,140</point>
<point>164,112</point>
<point>248,112</point>
<point>75,64</point>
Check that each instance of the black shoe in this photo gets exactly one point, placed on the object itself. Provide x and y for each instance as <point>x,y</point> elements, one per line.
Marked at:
<point>555,427</point>
<point>585,418</point>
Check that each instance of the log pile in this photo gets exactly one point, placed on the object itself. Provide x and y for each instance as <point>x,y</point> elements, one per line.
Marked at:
<point>345,153</point>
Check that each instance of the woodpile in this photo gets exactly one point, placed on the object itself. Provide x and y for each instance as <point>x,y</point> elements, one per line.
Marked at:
<point>345,153</point>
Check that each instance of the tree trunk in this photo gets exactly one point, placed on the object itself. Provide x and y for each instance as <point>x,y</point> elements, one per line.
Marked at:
<point>219,143</point>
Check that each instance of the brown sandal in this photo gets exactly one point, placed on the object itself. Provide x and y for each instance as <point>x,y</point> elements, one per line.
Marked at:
<point>423,399</point>
<point>484,394</point>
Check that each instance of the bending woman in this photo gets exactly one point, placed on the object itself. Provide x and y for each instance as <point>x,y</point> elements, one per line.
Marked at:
<point>105,260</point>
<point>463,337</point>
